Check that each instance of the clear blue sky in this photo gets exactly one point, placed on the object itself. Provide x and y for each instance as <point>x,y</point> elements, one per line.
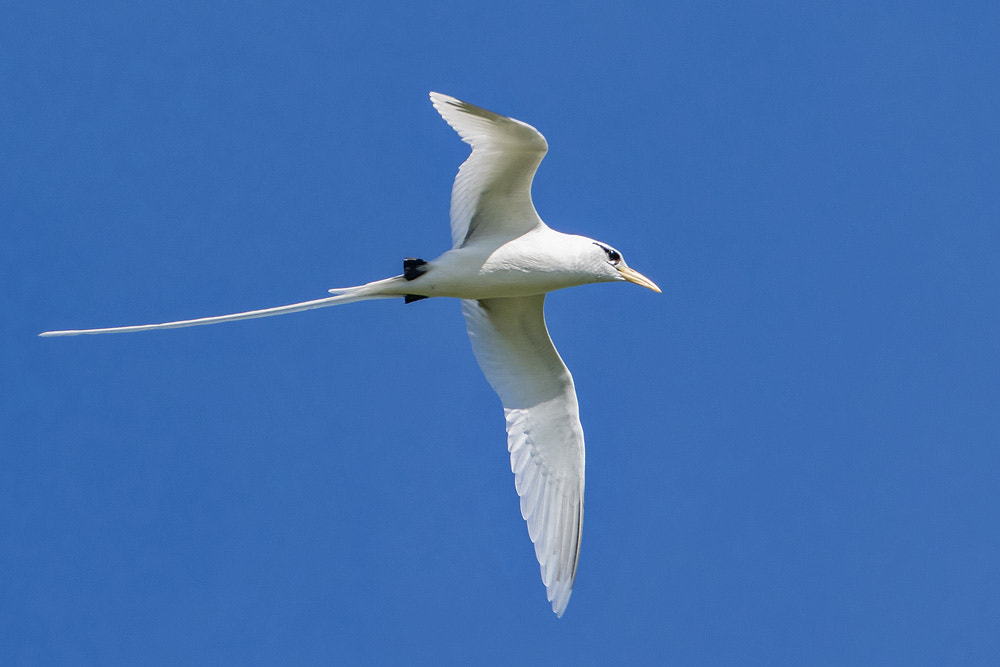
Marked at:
<point>792,453</point>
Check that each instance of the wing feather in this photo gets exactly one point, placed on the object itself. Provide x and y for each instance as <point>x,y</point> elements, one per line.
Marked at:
<point>492,192</point>
<point>544,435</point>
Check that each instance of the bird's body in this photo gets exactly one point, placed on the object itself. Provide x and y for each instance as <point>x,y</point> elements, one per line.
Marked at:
<point>543,260</point>
<point>503,261</point>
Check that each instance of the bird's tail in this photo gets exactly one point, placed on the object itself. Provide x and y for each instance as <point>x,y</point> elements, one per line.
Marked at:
<point>380,289</point>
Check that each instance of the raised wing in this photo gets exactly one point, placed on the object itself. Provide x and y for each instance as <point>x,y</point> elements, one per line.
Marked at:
<point>544,435</point>
<point>492,192</point>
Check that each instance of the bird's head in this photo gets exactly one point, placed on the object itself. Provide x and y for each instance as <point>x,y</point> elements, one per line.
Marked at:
<point>609,265</point>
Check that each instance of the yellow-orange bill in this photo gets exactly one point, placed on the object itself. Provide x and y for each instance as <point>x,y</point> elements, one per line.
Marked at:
<point>634,276</point>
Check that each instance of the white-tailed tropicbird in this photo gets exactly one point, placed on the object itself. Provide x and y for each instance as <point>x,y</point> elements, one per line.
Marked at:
<point>503,261</point>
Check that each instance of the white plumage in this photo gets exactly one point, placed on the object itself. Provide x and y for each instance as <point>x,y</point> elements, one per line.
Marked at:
<point>503,261</point>
<point>544,435</point>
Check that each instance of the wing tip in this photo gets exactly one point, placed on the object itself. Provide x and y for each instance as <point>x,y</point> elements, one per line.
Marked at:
<point>561,600</point>
<point>437,97</point>
<point>441,102</point>
<point>465,118</point>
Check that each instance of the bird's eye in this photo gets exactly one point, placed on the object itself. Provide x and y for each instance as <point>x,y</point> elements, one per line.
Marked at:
<point>613,255</point>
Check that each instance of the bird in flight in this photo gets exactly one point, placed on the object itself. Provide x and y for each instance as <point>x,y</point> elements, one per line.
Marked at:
<point>502,263</point>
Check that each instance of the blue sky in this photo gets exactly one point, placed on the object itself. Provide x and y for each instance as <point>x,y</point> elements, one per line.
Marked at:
<point>792,452</point>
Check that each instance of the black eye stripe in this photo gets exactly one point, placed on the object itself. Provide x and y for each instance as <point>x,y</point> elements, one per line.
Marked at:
<point>613,255</point>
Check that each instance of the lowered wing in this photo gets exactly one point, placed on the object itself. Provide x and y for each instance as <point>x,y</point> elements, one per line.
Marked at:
<point>544,435</point>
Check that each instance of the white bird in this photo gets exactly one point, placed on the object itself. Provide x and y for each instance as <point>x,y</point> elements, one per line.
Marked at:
<point>503,261</point>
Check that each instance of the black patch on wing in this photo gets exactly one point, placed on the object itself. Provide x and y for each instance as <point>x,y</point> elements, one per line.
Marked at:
<point>413,268</point>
